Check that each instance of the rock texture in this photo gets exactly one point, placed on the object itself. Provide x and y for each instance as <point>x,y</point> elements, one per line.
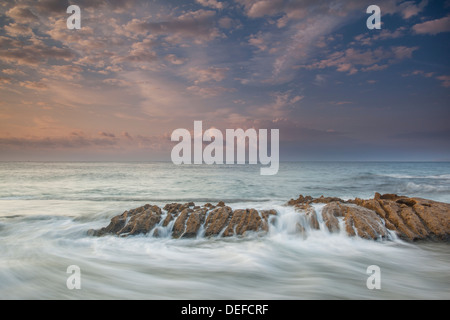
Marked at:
<point>188,221</point>
<point>410,219</point>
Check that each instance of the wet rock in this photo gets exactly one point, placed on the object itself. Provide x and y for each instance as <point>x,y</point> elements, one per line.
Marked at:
<point>326,200</point>
<point>301,200</point>
<point>193,224</point>
<point>180,224</point>
<point>311,217</point>
<point>169,218</point>
<point>375,205</point>
<point>117,224</point>
<point>244,221</point>
<point>410,218</point>
<point>359,221</point>
<point>137,221</point>
<point>217,221</point>
<point>363,222</point>
<point>330,213</point>
<point>435,217</point>
<point>392,214</point>
<point>209,206</point>
<point>266,214</point>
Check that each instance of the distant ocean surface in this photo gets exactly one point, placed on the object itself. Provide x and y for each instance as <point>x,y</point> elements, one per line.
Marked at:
<point>46,209</point>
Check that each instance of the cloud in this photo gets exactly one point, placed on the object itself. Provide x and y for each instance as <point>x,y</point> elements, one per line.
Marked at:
<point>5,80</point>
<point>107,135</point>
<point>198,25</point>
<point>424,135</point>
<point>409,9</point>
<point>22,14</point>
<point>212,4</point>
<point>209,92</point>
<point>433,27</point>
<point>22,53</point>
<point>206,75</point>
<point>384,34</point>
<point>261,8</point>
<point>34,85</point>
<point>70,142</point>
<point>445,81</point>
<point>258,41</point>
<point>173,59</point>
<point>13,72</point>
<point>66,72</point>
<point>353,60</point>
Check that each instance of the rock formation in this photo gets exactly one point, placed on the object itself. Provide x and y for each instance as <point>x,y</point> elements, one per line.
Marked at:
<point>187,221</point>
<point>410,219</point>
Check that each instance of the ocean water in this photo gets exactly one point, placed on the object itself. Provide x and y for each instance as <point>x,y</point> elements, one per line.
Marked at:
<point>47,208</point>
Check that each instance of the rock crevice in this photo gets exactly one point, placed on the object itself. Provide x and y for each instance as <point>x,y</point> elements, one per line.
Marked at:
<point>410,219</point>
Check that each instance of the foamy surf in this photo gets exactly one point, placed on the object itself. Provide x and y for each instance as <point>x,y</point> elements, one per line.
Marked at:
<point>43,231</point>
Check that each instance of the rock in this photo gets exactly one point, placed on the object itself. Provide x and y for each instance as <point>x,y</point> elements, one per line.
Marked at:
<point>301,200</point>
<point>193,224</point>
<point>375,205</point>
<point>266,214</point>
<point>392,214</point>
<point>180,224</point>
<point>363,222</point>
<point>410,218</point>
<point>326,200</point>
<point>330,213</point>
<point>244,221</point>
<point>217,220</point>
<point>435,216</point>
<point>168,220</point>
<point>311,217</point>
<point>117,224</point>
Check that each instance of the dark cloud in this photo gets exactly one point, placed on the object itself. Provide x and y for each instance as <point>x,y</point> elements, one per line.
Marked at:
<point>197,24</point>
<point>71,142</point>
<point>424,135</point>
<point>24,53</point>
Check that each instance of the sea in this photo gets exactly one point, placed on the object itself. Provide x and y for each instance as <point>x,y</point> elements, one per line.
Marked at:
<point>46,209</point>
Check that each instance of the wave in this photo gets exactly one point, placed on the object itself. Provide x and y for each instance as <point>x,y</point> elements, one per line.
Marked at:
<point>412,187</point>
<point>404,176</point>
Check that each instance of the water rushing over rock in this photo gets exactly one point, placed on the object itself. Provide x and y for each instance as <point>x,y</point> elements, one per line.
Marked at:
<point>383,217</point>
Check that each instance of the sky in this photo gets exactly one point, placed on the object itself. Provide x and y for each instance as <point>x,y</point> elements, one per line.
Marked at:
<point>117,88</point>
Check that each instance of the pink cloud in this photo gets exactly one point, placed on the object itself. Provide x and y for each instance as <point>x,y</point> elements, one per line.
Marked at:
<point>433,26</point>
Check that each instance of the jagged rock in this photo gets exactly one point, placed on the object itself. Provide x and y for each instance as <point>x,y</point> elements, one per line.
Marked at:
<point>375,205</point>
<point>301,200</point>
<point>243,221</point>
<point>169,218</point>
<point>327,200</point>
<point>311,217</point>
<point>410,218</point>
<point>180,224</point>
<point>138,221</point>
<point>217,221</point>
<point>435,216</point>
<point>193,224</point>
<point>392,210</point>
<point>364,222</point>
<point>330,214</point>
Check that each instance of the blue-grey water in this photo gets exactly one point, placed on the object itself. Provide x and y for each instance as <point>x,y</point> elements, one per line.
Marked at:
<point>47,208</point>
